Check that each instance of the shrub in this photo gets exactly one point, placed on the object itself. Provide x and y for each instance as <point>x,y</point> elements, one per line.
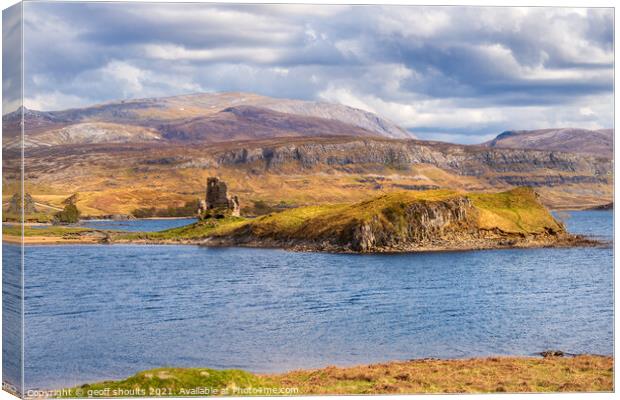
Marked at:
<point>69,215</point>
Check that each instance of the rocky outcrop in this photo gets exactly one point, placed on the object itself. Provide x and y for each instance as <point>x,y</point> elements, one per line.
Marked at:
<point>420,224</point>
<point>508,166</point>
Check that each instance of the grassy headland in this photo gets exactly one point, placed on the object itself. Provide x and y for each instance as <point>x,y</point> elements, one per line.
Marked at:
<point>584,373</point>
<point>399,221</point>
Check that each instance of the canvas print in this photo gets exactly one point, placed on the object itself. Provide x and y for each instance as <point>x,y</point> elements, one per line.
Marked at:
<point>294,199</point>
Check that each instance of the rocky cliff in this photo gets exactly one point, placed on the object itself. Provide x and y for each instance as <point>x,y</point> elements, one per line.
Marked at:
<point>510,166</point>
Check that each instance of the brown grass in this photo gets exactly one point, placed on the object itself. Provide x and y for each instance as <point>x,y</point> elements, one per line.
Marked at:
<point>479,375</point>
<point>583,373</point>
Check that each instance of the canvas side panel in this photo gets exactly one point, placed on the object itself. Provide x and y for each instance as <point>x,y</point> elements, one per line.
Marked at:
<point>12,201</point>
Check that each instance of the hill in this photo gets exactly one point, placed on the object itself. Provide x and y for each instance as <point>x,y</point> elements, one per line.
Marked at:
<point>582,141</point>
<point>117,178</point>
<point>250,122</point>
<point>211,117</point>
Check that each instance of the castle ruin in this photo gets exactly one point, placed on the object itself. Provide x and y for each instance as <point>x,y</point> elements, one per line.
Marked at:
<point>217,198</point>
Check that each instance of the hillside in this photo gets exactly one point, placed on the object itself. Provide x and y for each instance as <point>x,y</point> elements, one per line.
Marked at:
<point>157,152</point>
<point>117,178</point>
<point>210,117</point>
<point>400,221</point>
<point>250,122</point>
<point>583,141</point>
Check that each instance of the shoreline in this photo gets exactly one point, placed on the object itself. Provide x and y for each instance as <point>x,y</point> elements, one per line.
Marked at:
<point>552,372</point>
<point>573,241</point>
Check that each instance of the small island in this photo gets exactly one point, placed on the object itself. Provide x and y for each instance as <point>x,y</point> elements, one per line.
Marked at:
<point>412,221</point>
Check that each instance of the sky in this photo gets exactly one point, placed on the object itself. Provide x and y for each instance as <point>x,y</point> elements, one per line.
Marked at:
<point>459,74</point>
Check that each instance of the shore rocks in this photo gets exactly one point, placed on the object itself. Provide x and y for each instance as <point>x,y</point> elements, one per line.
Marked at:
<point>552,353</point>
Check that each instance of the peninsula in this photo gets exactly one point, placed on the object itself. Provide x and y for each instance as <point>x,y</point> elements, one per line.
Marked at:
<point>409,221</point>
<point>395,222</point>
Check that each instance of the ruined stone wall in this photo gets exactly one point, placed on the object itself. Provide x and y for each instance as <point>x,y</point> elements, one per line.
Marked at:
<point>217,197</point>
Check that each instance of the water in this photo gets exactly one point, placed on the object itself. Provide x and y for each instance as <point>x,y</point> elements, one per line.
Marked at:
<point>135,225</point>
<point>106,312</point>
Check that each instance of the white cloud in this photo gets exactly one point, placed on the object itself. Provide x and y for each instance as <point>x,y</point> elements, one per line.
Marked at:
<point>172,52</point>
<point>54,100</point>
<point>128,77</point>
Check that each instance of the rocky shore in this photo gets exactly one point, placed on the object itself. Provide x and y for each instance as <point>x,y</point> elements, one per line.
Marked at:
<point>483,243</point>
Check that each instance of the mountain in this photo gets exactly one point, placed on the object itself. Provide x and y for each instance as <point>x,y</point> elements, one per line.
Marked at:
<point>250,122</point>
<point>197,117</point>
<point>595,142</point>
<point>36,121</point>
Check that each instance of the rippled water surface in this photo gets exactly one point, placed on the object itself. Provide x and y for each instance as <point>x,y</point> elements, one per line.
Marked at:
<point>143,225</point>
<point>101,312</point>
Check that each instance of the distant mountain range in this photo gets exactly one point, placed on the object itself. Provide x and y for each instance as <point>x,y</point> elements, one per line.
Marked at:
<point>595,142</point>
<point>204,117</point>
<point>224,117</point>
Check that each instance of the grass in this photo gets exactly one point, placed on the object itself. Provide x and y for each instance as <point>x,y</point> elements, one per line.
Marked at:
<point>39,217</point>
<point>47,231</point>
<point>198,230</point>
<point>170,382</point>
<point>516,211</point>
<point>583,373</point>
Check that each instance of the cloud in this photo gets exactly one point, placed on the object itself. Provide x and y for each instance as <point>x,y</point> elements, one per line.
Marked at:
<point>11,59</point>
<point>462,73</point>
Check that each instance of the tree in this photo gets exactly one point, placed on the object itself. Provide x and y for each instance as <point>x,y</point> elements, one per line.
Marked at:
<point>69,215</point>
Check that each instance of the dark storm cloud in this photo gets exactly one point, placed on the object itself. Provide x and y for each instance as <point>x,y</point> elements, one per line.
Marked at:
<point>435,69</point>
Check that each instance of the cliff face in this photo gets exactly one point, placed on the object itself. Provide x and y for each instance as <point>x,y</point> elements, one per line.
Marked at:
<point>420,224</point>
<point>502,165</point>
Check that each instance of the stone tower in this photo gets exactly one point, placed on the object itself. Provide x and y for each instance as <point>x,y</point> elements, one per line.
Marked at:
<point>217,197</point>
